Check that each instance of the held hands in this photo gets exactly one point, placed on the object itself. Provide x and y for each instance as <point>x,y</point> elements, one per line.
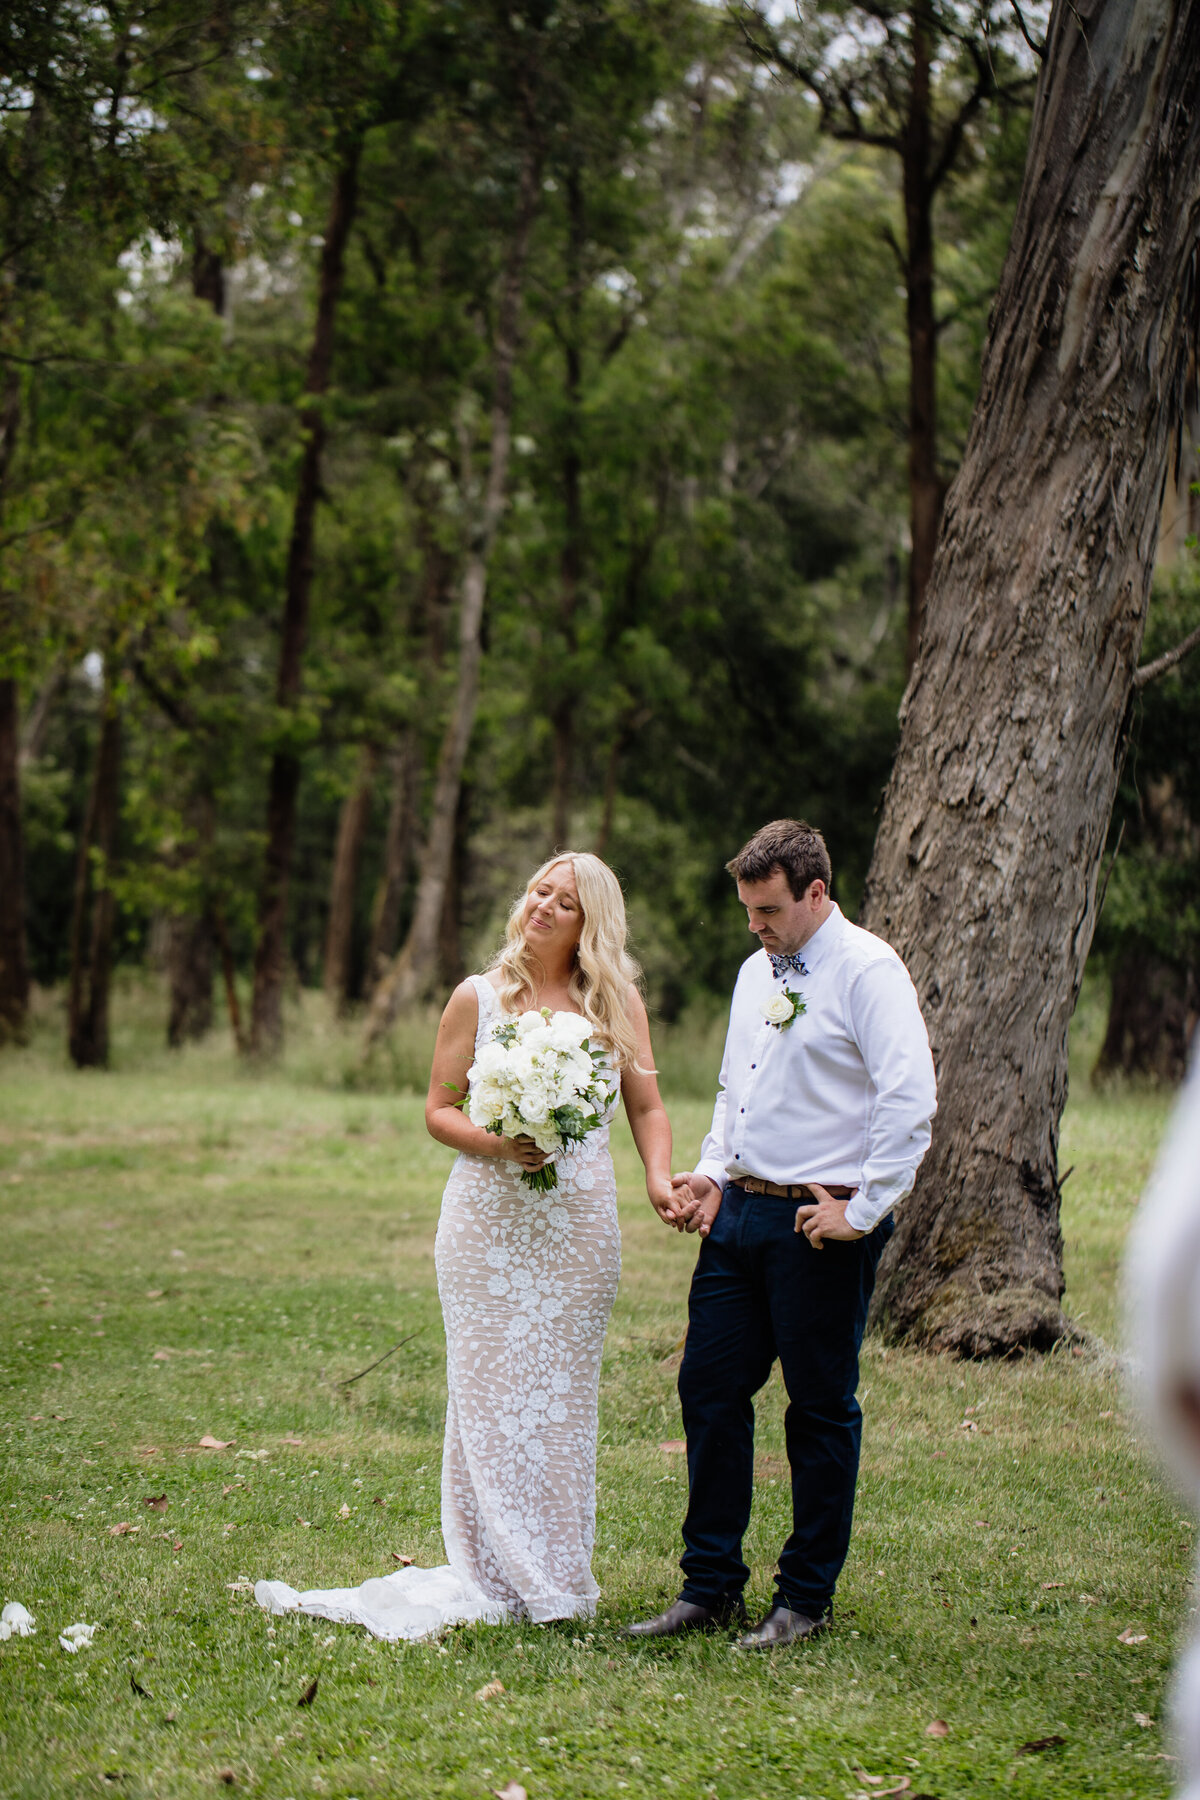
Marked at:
<point>523,1150</point>
<point>825,1220</point>
<point>695,1201</point>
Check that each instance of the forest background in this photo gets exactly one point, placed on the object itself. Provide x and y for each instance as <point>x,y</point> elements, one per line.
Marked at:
<point>432,435</point>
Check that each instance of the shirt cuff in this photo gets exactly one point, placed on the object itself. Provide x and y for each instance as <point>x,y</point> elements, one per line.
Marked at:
<point>714,1170</point>
<point>865,1209</point>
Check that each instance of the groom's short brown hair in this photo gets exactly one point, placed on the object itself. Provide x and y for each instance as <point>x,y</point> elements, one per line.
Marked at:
<point>788,844</point>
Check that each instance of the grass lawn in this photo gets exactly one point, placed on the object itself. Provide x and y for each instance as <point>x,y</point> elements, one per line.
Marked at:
<point>190,1250</point>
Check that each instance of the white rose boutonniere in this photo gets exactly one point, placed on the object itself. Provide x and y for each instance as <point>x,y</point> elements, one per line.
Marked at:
<point>783,1009</point>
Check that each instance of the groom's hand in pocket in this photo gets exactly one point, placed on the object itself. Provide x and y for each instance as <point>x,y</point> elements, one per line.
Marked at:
<point>699,1202</point>
<point>827,1219</point>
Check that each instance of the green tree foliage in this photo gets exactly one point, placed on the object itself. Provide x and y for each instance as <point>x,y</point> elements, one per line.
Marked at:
<point>695,611</point>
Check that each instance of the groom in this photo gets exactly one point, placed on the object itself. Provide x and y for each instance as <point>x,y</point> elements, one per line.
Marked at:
<point>826,1097</point>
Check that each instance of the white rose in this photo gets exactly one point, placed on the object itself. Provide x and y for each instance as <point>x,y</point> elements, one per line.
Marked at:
<point>490,1061</point>
<point>778,1009</point>
<point>530,1021</point>
<point>567,1031</point>
<point>535,1106</point>
<point>485,1103</point>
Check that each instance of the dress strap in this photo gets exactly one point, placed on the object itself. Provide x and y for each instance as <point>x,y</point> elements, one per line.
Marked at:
<point>485,994</point>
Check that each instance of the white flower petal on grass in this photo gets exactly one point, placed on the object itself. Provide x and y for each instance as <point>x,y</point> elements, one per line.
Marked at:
<point>77,1637</point>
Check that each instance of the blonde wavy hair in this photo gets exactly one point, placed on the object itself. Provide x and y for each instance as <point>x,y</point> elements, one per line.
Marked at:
<point>604,969</point>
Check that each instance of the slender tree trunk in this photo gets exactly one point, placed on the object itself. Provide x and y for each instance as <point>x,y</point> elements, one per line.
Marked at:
<point>415,969</point>
<point>270,957</point>
<point>1150,1018</point>
<point>571,567</point>
<point>91,943</point>
<point>14,963</point>
<point>924,485</point>
<point>397,854</point>
<point>985,868</point>
<point>189,978</point>
<point>451,966</point>
<point>352,832</point>
<point>228,975</point>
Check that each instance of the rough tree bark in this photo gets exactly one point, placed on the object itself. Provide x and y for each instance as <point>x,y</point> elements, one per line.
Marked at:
<point>925,491</point>
<point>14,964</point>
<point>414,970</point>
<point>266,1011</point>
<point>352,832</point>
<point>985,868</point>
<point>91,949</point>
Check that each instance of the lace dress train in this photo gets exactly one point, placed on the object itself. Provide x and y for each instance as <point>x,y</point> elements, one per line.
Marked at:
<point>527,1282</point>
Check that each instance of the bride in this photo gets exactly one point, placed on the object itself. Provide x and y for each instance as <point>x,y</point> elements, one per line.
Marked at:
<point>527,1281</point>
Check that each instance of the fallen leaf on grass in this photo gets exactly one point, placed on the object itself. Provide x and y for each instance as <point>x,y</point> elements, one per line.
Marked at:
<point>378,1500</point>
<point>125,1529</point>
<point>344,1510</point>
<point>148,1450</point>
<point>1053,1584</point>
<point>939,1456</point>
<point>292,1440</point>
<point>404,1561</point>
<point>57,1366</point>
<point>937,1728</point>
<point>161,1356</point>
<point>227,1776</point>
<point>1036,1745</point>
<point>139,1690</point>
<point>1144,1720</point>
<point>1130,1636</point>
<point>490,1691</point>
<point>178,1544</point>
<point>514,1791</point>
<point>310,1692</point>
<point>208,1442</point>
<point>673,1447</point>
<point>154,1293</point>
<point>157,1501</point>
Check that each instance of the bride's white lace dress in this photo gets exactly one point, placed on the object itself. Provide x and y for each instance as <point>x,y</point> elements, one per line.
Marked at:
<point>527,1282</point>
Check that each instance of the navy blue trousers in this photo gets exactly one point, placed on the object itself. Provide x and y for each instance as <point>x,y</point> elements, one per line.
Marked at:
<point>761,1291</point>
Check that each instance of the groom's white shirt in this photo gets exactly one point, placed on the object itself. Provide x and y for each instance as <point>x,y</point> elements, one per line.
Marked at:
<point>845,1094</point>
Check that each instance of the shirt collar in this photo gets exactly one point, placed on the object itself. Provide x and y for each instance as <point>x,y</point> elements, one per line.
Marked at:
<point>823,940</point>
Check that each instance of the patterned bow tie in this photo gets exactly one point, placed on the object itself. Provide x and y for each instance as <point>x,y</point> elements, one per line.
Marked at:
<point>781,964</point>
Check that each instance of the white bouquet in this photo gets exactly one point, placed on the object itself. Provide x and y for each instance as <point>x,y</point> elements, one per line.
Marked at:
<point>538,1077</point>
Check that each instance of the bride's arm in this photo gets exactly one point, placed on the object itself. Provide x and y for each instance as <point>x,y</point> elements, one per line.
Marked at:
<point>648,1119</point>
<point>452,1057</point>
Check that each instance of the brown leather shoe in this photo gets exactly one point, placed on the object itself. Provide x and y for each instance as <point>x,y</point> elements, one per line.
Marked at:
<point>782,1626</point>
<point>684,1615</point>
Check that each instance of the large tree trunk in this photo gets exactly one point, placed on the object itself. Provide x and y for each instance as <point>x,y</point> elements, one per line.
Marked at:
<point>414,971</point>
<point>924,485</point>
<point>14,964</point>
<point>352,832</point>
<point>270,957</point>
<point>91,950</point>
<point>985,869</point>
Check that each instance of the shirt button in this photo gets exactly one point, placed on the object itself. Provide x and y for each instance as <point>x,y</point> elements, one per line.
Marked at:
<point>754,1065</point>
<point>743,1109</point>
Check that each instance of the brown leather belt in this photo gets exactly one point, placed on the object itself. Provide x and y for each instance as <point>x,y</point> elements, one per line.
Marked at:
<point>801,1191</point>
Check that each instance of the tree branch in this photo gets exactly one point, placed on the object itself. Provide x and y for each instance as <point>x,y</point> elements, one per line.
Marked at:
<point>1161,664</point>
<point>1039,49</point>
